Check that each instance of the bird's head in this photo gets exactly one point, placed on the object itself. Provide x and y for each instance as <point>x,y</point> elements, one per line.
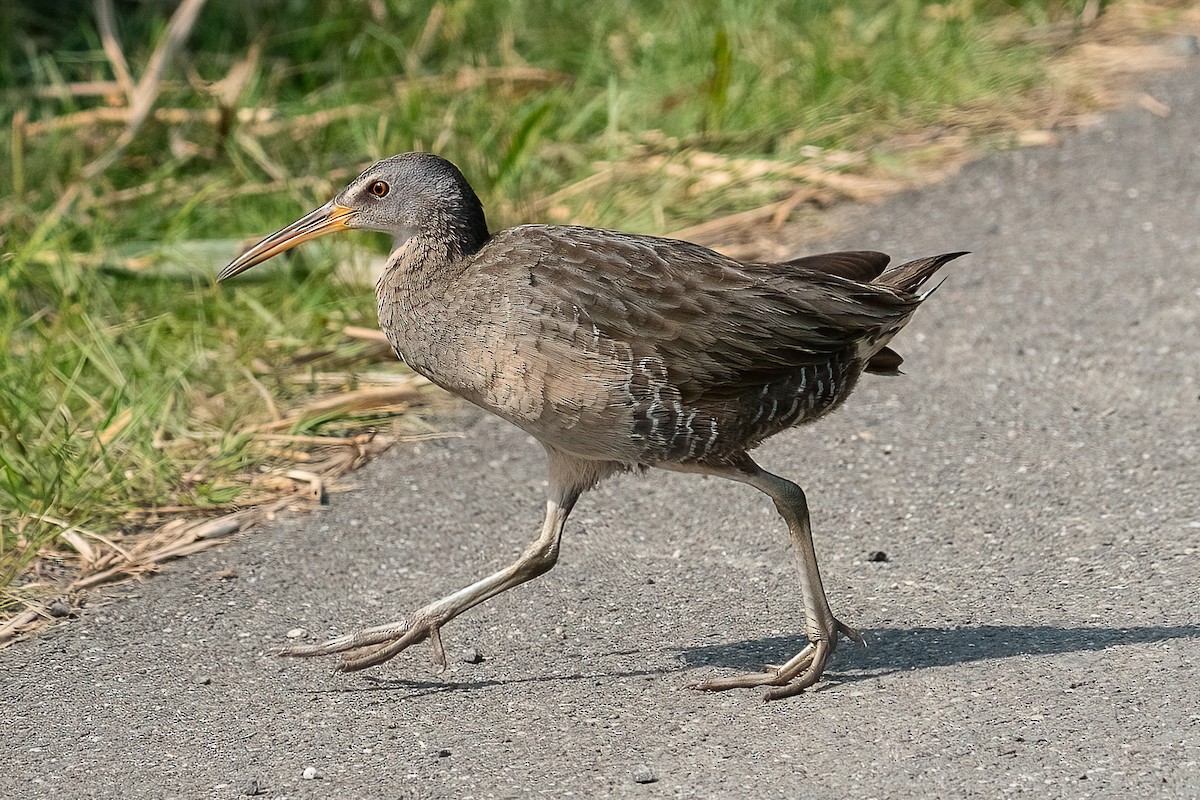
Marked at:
<point>402,195</point>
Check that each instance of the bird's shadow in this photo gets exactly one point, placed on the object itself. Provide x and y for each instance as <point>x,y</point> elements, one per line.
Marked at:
<point>889,650</point>
<point>424,688</point>
<point>892,650</point>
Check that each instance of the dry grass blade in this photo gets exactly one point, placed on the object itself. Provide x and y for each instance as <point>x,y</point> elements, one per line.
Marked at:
<point>300,125</point>
<point>363,379</point>
<point>597,179</point>
<point>87,554</point>
<point>316,486</point>
<point>430,437</point>
<point>353,441</point>
<point>71,535</point>
<point>22,623</point>
<point>338,461</point>
<point>229,89</point>
<point>433,24</point>
<point>149,86</point>
<point>317,185</point>
<point>370,334</point>
<point>112,49</point>
<point>80,89</point>
<point>849,185</point>
<point>179,538</point>
<point>252,147</point>
<point>267,399</point>
<point>115,427</point>
<point>718,230</point>
<point>61,206</point>
<point>168,116</point>
<point>361,400</point>
<point>468,78</point>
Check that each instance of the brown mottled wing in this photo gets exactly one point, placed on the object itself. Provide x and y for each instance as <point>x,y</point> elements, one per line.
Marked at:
<point>717,327</point>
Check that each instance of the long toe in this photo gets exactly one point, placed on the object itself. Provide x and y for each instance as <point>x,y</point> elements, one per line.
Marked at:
<point>371,646</point>
<point>367,637</point>
<point>795,676</point>
<point>801,671</point>
<point>770,675</point>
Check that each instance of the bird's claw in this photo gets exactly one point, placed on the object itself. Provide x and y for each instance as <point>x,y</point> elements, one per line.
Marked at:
<point>371,646</point>
<point>799,673</point>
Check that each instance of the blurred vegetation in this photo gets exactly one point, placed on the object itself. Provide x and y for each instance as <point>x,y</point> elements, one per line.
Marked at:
<point>130,381</point>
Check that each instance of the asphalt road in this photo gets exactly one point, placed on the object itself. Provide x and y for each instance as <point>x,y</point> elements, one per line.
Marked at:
<point>1034,482</point>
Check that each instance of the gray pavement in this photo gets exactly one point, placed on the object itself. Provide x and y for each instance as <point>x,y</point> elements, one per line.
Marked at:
<point>1034,482</point>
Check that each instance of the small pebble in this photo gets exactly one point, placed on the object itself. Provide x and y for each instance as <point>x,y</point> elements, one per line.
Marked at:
<point>310,773</point>
<point>472,656</point>
<point>296,633</point>
<point>644,774</point>
<point>252,789</point>
<point>60,609</point>
<point>443,753</point>
<point>203,680</point>
<point>878,557</point>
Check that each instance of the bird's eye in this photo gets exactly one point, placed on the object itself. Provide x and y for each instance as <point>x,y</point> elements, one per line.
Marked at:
<point>380,189</point>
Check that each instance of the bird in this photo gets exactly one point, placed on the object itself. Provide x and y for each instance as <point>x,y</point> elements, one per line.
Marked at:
<point>617,352</point>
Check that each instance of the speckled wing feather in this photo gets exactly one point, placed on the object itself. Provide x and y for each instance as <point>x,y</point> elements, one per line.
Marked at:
<point>718,326</point>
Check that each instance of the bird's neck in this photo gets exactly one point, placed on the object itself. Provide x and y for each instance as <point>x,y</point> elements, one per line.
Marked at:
<point>418,294</point>
<point>459,224</point>
<point>447,236</point>
<point>419,281</point>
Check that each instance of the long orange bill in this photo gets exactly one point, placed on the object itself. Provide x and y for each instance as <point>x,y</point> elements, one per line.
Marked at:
<point>329,218</point>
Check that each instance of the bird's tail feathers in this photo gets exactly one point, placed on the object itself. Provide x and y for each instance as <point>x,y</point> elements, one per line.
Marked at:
<point>910,277</point>
<point>885,361</point>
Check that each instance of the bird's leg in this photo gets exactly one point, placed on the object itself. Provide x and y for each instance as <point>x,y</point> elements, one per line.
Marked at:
<point>371,646</point>
<point>805,668</point>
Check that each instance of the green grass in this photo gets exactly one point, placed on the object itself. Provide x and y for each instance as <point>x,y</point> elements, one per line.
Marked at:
<point>126,390</point>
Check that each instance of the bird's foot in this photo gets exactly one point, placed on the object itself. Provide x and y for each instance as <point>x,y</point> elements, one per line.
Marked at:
<point>802,671</point>
<point>371,646</point>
